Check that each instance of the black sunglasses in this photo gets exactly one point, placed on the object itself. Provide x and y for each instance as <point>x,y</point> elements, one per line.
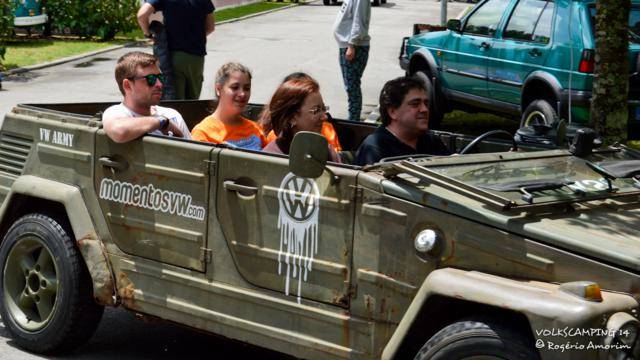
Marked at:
<point>151,78</point>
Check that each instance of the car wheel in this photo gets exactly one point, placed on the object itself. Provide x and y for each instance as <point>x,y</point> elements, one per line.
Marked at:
<point>539,112</point>
<point>383,1</point>
<point>326,2</point>
<point>45,288</point>
<point>375,3</point>
<point>477,339</point>
<point>435,114</point>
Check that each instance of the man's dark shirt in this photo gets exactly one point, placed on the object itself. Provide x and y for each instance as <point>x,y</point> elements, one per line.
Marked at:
<point>382,144</point>
<point>185,22</point>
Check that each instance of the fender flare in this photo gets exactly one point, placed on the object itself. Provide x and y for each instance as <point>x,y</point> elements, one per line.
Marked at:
<point>547,78</point>
<point>89,244</point>
<point>544,306</point>
<point>427,56</point>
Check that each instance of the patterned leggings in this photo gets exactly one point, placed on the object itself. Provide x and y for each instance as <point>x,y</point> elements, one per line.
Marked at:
<point>351,75</point>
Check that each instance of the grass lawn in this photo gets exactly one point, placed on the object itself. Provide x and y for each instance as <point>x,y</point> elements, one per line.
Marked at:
<point>25,52</point>
<point>36,51</point>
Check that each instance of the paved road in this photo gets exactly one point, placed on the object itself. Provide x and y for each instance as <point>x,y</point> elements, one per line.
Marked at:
<point>273,45</point>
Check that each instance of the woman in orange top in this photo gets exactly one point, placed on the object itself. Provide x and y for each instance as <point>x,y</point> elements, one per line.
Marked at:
<point>328,131</point>
<point>226,124</point>
<point>295,106</point>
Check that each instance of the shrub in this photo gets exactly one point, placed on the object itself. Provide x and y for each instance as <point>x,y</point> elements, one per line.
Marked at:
<point>88,18</point>
<point>6,25</point>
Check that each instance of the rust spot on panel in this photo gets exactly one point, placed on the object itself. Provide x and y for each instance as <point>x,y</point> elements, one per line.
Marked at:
<point>340,299</point>
<point>444,203</point>
<point>345,334</point>
<point>369,303</point>
<point>383,305</point>
<point>126,290</point>
<point>95,259</point>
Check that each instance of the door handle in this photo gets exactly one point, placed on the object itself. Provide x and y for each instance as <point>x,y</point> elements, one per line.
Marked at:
<point>231,185</point>
<point>485,45</point>
<point>535,52</point>
<point>113,164</point>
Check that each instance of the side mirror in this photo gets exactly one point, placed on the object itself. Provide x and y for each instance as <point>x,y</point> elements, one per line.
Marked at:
<point>454,25</point>
<point>308,154</point>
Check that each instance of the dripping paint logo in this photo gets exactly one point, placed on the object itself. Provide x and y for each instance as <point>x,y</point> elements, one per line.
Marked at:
<point>298,223</point>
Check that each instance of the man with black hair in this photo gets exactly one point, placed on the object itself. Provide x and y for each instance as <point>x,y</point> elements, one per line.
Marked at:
<point>404,110</point>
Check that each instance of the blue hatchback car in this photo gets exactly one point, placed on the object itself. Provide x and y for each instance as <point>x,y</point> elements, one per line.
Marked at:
<point>528,59</point>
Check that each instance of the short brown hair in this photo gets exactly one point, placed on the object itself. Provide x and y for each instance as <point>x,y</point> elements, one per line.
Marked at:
<point>393,93</point>
<point>128,64</point>
<point>284,104</point>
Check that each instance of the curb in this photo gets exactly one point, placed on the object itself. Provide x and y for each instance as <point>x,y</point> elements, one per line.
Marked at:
<point>25,69</point>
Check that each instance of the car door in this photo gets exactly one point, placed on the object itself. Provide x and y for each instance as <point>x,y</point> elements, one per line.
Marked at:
<point>521,49</point>
<point>286,233</point>
<point>153,193</point>
<point>465,53</point>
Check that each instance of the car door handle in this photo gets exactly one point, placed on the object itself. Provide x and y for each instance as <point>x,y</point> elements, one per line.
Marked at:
<point>485,45</point>
<point>231,185</point>
<point>113,164</point>
<point>535,53</point>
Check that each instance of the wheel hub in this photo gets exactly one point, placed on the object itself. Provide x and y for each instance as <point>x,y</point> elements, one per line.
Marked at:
<point>30,283</point>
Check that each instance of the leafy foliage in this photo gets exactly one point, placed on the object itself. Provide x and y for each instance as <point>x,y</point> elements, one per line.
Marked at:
<point>87,18</point>
<point>6,24</point>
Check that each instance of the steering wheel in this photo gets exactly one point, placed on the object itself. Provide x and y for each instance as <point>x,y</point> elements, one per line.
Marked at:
<point>486,135</point>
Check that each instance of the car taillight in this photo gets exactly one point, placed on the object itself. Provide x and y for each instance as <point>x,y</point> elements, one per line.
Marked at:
<point>587,61</point>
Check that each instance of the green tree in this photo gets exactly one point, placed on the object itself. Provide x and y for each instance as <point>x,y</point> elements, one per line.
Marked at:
<point>6,25</point>
<point>609,112</point>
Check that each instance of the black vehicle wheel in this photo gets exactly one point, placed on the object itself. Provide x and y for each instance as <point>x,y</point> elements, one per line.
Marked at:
<point>383,1</point>
<point>326,2</point>
<point>477,339</point>
<point>435,114</point>
<point>375,3</point>
<point>539,112</point>
<point>45,288</point>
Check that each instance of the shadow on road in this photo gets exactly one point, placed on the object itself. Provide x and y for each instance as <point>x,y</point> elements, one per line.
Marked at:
<point>121,336</point>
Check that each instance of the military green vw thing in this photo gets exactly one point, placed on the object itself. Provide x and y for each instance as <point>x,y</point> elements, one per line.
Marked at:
<point>491,254</point>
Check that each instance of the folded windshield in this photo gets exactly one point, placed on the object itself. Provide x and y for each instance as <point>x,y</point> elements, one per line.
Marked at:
<point>516,180</point>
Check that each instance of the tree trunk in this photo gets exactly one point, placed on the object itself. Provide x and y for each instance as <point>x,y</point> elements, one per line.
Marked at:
<point>609,113</point>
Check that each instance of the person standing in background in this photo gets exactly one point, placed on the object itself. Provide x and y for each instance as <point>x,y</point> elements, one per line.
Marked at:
<point>187,22</point>
<point>351,30</point>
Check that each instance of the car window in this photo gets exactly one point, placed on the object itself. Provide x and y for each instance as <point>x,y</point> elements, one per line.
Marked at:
<point>543,29</point>
<point>634,23</point>
<point>485,20</point>
<point>524,19</point>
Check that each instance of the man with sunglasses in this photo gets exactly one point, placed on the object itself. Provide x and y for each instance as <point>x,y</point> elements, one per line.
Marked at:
<point>140,81</point>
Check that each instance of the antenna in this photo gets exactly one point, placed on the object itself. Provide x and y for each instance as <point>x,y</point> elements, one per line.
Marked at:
<point>570,57</point>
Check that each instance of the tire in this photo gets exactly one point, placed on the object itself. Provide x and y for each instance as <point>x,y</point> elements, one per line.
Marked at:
<point>435,114</point>
<point>375,3</point>
<point>477,338</point>
<point>326,2</point>
<point>383,1</point>
<point>46,291</point>
<point>538,112</point>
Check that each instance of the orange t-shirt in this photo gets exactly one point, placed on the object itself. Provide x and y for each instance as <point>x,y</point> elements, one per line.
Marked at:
<point>327,130</point>
<point>246,135</point>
